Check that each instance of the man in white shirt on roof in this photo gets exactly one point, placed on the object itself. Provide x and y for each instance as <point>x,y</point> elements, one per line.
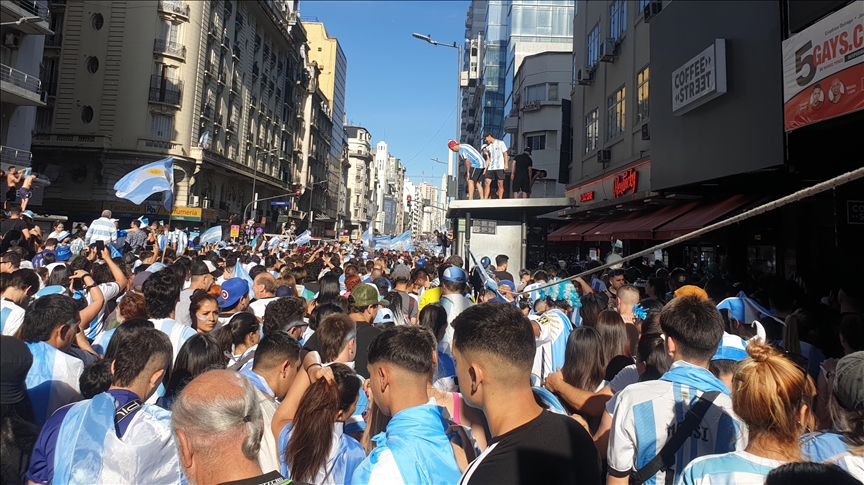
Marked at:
<point>498,164</point>
<point>648,413</point>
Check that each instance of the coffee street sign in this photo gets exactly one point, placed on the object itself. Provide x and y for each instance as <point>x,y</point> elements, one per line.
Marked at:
<point>700,79</point>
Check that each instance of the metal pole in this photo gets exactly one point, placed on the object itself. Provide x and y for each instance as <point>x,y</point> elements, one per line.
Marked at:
<point>254,179</point>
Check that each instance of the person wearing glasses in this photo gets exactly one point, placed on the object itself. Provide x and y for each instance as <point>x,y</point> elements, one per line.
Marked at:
<point>364,303</point>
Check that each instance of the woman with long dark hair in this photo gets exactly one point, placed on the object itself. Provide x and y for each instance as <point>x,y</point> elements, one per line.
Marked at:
<point>204,311</point>
<point>616,342</point>
<point>239,337</point>
<point>199,354</point>
<point>434,317</point>
<point>584,360</point>
<point>328,289</point>
<point>314,447</point>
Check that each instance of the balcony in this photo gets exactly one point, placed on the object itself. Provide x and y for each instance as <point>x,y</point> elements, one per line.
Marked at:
<point>14,10</point>
<point>169,48</point>
<point>176,8</point>
<point>218,120</point>
<point>225,162</point>
<point>232,126</point>
<point>236,52</point>
<point>15,156</point>
<point>53,41</point>
<point>208,111</point>
<point>235,85</point>
<point>511,124</point>
<point>223,77</point>
<point>20,88</point>
<point>165,91</point>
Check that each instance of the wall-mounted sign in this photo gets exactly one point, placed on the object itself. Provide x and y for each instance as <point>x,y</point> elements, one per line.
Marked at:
<point>855,211</point>
<point>623,182</point>
<point>700,79</point>
<point>587,196</point>
<point>531,105</point>
<point>479,226</point>
<point>823,68</point>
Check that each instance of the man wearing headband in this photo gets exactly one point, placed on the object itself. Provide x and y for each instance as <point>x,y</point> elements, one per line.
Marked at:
<point>475,165</point>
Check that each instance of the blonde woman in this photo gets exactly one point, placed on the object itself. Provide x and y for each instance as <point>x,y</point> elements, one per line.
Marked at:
<point>774,397</point>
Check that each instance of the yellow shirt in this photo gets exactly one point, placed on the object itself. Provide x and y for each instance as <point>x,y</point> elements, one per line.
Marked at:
<point>430,296</point>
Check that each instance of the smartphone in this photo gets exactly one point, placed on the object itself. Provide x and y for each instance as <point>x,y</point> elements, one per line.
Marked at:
<point>100,246</point>
<point>78,284</point>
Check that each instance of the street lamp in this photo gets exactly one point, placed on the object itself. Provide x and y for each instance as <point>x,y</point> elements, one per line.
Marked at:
<point>451,158</point>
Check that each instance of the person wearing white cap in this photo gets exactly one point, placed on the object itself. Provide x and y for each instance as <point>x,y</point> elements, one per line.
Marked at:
<point>101,229</point>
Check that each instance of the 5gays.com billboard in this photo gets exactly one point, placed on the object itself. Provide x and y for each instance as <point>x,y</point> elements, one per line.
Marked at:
<point>823,69</point>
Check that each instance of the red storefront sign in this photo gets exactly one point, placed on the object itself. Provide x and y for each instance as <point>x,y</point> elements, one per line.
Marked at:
<point>587,196</point>
<point>623,182</point>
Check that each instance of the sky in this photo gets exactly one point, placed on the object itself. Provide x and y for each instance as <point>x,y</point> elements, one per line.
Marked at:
<point>401,89</point>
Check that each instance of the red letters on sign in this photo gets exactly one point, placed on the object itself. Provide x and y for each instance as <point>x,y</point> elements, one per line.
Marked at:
<point>586,196</point>
<point>623,182</point>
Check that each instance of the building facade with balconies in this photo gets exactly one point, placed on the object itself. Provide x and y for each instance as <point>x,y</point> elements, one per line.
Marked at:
<point>535,120</point>
<point>23,35</point>
<point>220,87</point>
<point>360,181</point>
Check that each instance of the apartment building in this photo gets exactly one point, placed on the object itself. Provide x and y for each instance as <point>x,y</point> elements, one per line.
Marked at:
<point>26,23</point>
<point>221,86</point>
<point>360,180</point>
<point>535,119</point>
<point>610,101</point>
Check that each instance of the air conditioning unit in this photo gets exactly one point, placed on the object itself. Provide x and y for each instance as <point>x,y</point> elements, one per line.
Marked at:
<point>195,200</point>
<point>11,40</point>
<point>585,76</point>
<point>604,156</point>
<point>651,9</point>
<point>646,132</point>
<point>206,203</point>
<point>607,50</point>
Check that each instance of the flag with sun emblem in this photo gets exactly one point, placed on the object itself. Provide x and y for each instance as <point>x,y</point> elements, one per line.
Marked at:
<point>141,183</point>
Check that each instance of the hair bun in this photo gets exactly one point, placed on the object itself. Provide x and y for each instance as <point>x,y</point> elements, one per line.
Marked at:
<point>760,351</point>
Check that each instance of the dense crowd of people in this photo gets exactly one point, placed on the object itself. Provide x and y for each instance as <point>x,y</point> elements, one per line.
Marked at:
<point>140,356</point>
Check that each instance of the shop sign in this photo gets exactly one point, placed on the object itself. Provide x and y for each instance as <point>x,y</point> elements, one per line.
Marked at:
<point>823,66</point>
<point>235,231</point>
<point>480,226</point>
<point>587,196</point>
<point>624,181</point>
<point>186,214</point>
<point>700,79</point>
<point>855,211</point>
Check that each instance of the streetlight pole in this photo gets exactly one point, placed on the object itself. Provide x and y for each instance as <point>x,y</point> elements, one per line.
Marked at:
<point>260,200</point>
<point>452,160</point>
<point>255,179</point>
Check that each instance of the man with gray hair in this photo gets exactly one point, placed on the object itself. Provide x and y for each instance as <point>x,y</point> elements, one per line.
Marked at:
<point>102,229</point>
<point>218,425</point>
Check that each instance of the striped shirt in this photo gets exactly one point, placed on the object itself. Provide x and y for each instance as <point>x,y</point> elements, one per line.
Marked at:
<point>646,416</point>
<point>467,152</point>
<point>496,150</point>
<point>177,333</point>
<point>832,448</point>
<point>736,468</point>
<point>101,229</point>
<point>11,317</point>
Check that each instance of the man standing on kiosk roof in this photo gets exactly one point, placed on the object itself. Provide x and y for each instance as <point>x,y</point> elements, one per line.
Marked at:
<point>475,166</point>
<point>498,164</point>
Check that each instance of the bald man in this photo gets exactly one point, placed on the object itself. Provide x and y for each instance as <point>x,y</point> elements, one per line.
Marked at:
<point>265,288</point>
<point>217,424</point>
<point>628,297</point>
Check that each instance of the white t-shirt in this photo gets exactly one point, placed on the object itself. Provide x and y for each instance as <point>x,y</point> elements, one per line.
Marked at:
<point>258,306</point>
<point>11,317</point>
<point>496,151</point>
<point>736,468</point>
<point>624,377</point>
<point>646,415</point>
<point>109,291</point>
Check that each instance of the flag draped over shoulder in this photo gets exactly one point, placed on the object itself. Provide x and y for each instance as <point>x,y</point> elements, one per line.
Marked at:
<point>212,235</point>
<point>143,182</point>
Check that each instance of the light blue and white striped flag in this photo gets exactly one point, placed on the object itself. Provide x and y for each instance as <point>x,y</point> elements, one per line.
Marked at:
<point>240,272</point>
<point>52,381</point>
<point>143,182</point>
<point>368,237</point>
<point>273,243</point>
<point>303,238</point>
<point>212,235</point>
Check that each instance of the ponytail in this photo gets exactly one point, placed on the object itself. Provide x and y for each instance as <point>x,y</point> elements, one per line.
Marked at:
<point>312,430</point>
<point>235,332</point>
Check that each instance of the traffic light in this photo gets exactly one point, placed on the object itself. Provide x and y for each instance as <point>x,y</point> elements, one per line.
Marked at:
<point>297,192</point>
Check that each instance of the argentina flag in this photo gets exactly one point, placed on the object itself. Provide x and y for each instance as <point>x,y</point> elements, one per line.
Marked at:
<point>368,237</point>
<point>155,177</point>
<point>212,235</point>
<point>303,238</point>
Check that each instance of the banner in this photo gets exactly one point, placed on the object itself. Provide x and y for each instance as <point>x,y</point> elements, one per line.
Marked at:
<point>823,69</point>
<point>382,242</point>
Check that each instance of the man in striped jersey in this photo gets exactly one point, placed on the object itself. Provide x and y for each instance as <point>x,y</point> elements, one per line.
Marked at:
<point>647,414</point>
<point>102,229</point>
<point>475,166</point>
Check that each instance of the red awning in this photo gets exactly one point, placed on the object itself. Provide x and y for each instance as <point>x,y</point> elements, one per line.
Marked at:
<point>603,232</point>
<point>701,216</point>
<point>643,227</point>
<point>572,231</point>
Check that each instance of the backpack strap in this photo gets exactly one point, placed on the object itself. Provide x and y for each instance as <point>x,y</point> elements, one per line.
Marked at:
<point>666,458</point>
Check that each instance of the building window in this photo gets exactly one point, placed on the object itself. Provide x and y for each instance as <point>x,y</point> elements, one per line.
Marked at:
<point>642,5</point>
<point>553,92</point>
<point>594,45</point>
<point>536,142</point>
<point>592,130</point>
<point>44,119</point>
<point>617,19</point>
<point>615,114</point>
<point>161,127</point>
<point>92,65</point>
<point>642,111</point>
<point>86,114</point>
<point>96,21</point>
<point>575,73</point>
<point>536,92</point>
